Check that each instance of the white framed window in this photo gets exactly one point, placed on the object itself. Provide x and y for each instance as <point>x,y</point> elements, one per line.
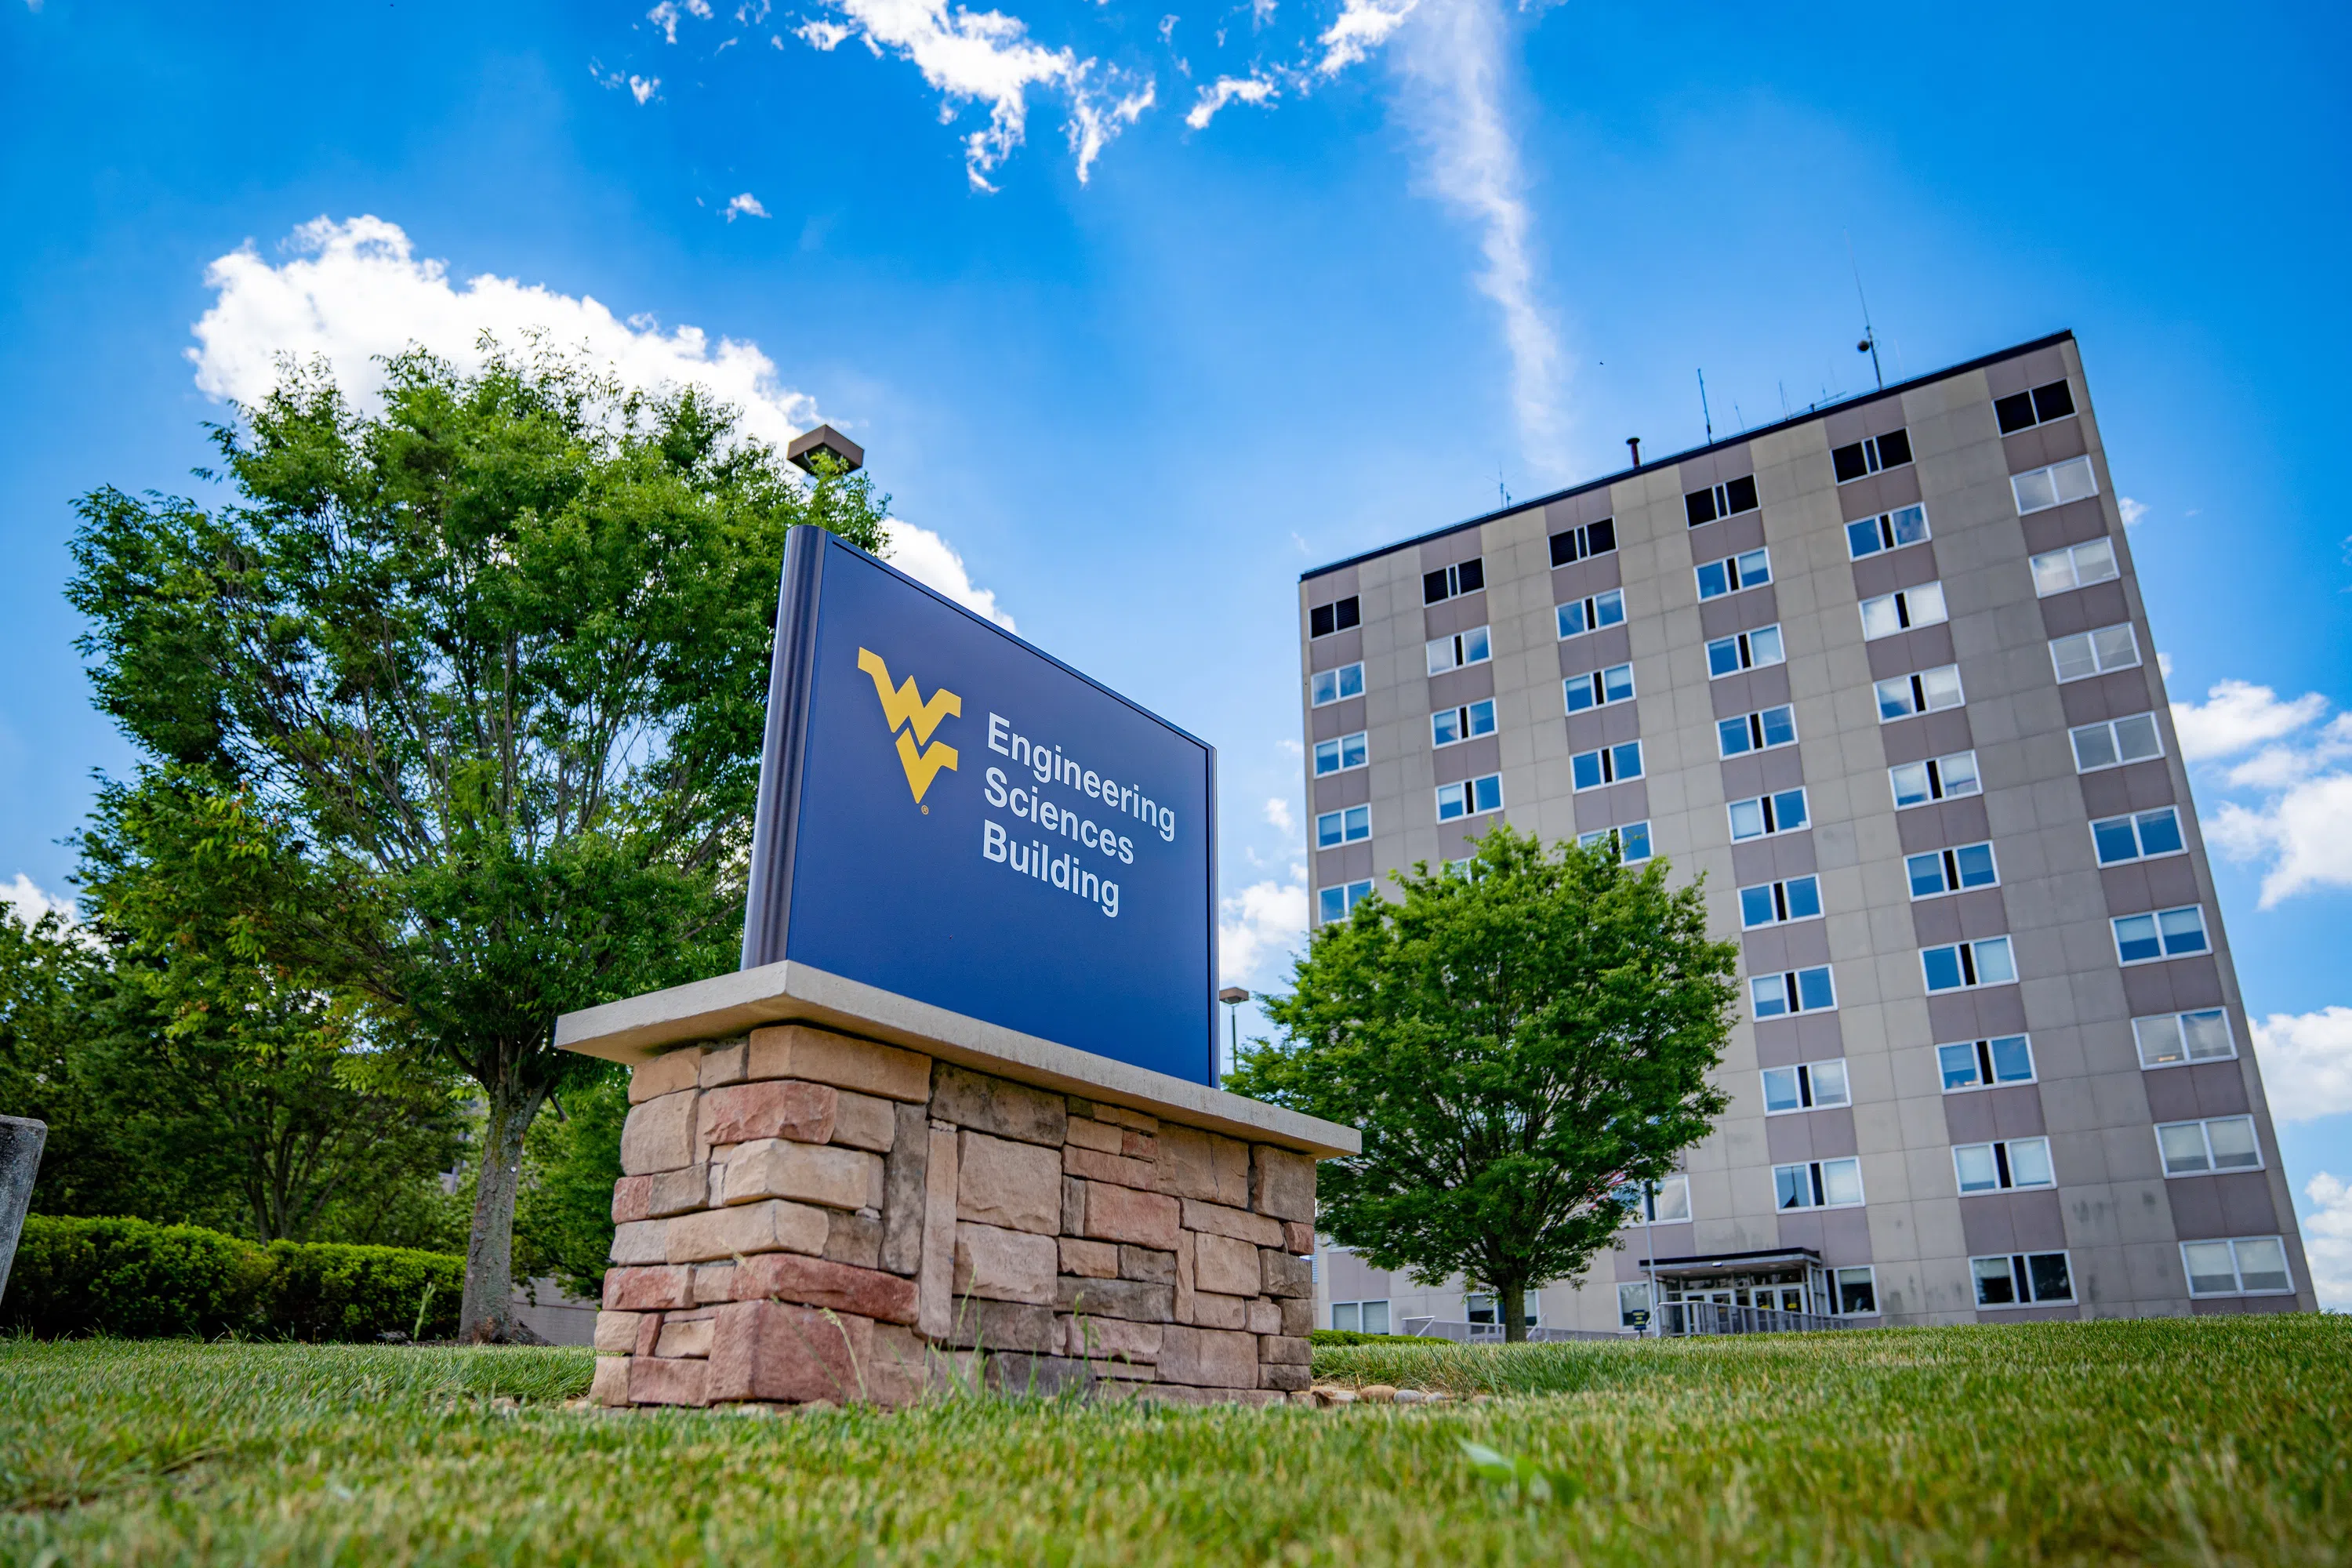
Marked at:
<point>1759,732</point>
<point>2243,1265</point>
<point>1998,1166</point>
<point>1466,722</point>
<point>1572,544</point>
<point>1665,1201</point>
<point>1792,991</point>
<point>1579,616</point>
<point>1608,765</point>
<point>1903,609</point>
<point>1780,903</point>
<point>2141,836</point>
<point>1634,1304</point>
<point>1339,754</point>
<point>1941,871</point>
<point>1361,1316</point>
<point>1808,1086</point>
<point>1727,500</point>
<point>1334,903</point>
<point>1965,965</point>
<point>1857,1291</point>
<point>1817,1184</point>
<point>1887,531</point>
<point>1937,778</point>
<point>2169,1040</point>
<point>1981,1064</point>
<point>1471,797</point>
<point>2075,566</point>
<point>2112,742</point>
<point>1329,686</point>
<point>1337,615</point>
<point>1927,692</point>
<point>2206,1148</point>
<point>1599,688</point>
<point>1748,569</point>
<point>1870,454</point>
<point>2085,654</point>
<point>2038,489</point>
<point>1451,582</point>
<point>1781,812</point>
<point>1633,840</point>
<point>1746,650</point>
<point>2025,410</point>
<point>1350,826</point>
<point>2022,1279</point>
<point>1460,650</point>
<point>2159,934</point>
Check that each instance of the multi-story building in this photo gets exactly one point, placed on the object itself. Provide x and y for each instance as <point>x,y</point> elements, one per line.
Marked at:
<point>1883,673</point>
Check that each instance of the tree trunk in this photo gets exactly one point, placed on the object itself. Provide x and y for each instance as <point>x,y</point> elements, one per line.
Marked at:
<point>1513,1299</point>
<point>485,1315</point>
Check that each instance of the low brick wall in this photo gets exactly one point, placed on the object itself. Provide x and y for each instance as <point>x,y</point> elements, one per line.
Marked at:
<point>804,1215</point>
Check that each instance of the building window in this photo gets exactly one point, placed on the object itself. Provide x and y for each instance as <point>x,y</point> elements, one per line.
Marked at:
<point>1963,965</point>
<point>1451,582</point>
<point>1778,903</point>
<point>1857,1291</point>
<point>1747,650</point>
<point>1339,754</point>
<point>2161,934</point>
<point>1579,616</point>
<point>1927,691</point>
<point>2169,1040</point>
<point>1472,646</point>
<point>2114,742</point>
<point>1489,1309</point>
<point>1665,1201</point>
<point>2094,653</point>
<point>1794,991</point>
<point>1471,797</point>
<point>1818,1185</point>
<point>1887,531</point>
<point>1333,903</point>
<point>1760,731</point>
<point>1448,725</point>
<point>2245,1265</point>
<point>1634,1304</point>
<point>1577,543</point>
<point>1980,1064</point>
<point>1998,1166</point>
<point>1903,609</point>
<point>1783,812</point>
<point>2142,835</point>
<point>1806,1087</point>
<point>1600,688</point>
<point>1942,871</point>
<point>1871,454</point>
<point>1333,828</point>
<point>1361,1316</point>
<point>2076,566</point>
<point>1727,500</point>
<point>1633,840</point>
<point>1610,764</point>
<point>1334,616</point>
<point>1937,778</point>
<point>1750,569</point>
<point>2204,1148</point>
<point>2025,410</point>
<point>1331,686</point>
<point>2022,1279</point>
<point>2038,489</point>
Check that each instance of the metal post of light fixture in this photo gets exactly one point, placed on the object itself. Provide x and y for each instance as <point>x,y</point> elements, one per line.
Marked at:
<point>1233,996</point>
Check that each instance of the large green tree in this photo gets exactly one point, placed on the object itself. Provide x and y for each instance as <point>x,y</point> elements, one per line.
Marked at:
<point>496,654</point>
<point>1517,1040</point>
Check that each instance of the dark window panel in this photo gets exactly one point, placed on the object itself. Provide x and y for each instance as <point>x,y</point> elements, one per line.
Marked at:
<point>2014,412</point>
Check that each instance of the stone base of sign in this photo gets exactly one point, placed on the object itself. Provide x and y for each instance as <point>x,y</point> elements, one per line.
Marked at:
<point>805,1214</point>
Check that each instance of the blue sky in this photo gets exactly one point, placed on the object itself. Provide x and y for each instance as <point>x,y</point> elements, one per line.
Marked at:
<point>1337,271</point>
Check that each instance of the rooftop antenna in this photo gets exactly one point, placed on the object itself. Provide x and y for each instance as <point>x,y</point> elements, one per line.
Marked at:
<point>1869,344</point>
<point>1702,406</point>
<point>1499,489</point>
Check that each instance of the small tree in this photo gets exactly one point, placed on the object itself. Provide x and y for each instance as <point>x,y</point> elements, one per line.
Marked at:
<point>1516,1041</point>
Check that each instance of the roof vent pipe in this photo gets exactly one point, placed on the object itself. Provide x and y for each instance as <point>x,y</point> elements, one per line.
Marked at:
<point>1634,445</point>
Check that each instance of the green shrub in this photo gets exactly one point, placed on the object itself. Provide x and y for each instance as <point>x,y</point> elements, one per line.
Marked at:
<point>136,1281</point>
<point>1350,1337</point>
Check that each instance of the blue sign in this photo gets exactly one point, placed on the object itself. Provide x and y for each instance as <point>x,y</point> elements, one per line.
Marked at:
<point>950,814</point>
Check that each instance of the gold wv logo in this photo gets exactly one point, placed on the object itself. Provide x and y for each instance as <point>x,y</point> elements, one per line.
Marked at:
<point>912,719</point>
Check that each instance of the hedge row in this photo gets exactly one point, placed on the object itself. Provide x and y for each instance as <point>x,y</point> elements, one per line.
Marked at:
<point>137,1280</point>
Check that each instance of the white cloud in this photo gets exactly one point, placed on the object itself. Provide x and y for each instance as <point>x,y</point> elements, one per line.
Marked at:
<point>745,205</point>
<point>1264,923</point>
<point>642,88</point>
<point>2236,715</point>
<point>1228,90</point>
<point>933,562</point>
<point>2327,1240</point>
<point>1362,27</point>
<point>825,35</point>
<point>1277,815</point>
<point>2307,1063</point>
<point>1092,125</point>
<point>2133,511</point>
<point>2164,664</point>
<point>24,900</point>
<point>665,15</point>
<point>2305,832</point>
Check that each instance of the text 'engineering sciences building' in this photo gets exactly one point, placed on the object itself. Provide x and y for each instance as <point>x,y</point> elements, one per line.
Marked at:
<point>1883,674</point>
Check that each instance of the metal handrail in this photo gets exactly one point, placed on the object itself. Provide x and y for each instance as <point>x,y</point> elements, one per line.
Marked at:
<point>1492,1333</point>
<point>1673,1319</point>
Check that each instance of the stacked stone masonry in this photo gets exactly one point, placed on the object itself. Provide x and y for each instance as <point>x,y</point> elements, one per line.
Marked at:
<point>806,1217</point>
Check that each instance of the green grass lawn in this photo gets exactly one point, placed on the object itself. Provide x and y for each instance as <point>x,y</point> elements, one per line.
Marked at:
<point>2200,1441</point>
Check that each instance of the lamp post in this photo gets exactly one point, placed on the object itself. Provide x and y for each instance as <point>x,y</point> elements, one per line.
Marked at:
<point>1233,996</point>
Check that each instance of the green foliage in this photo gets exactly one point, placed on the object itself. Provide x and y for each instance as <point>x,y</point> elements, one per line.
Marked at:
<point>564,1218</point>
<point>1350,1337</point>
<point>136,1281</point>
<point>1520,1478</point>
<point>1515,1043</point>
